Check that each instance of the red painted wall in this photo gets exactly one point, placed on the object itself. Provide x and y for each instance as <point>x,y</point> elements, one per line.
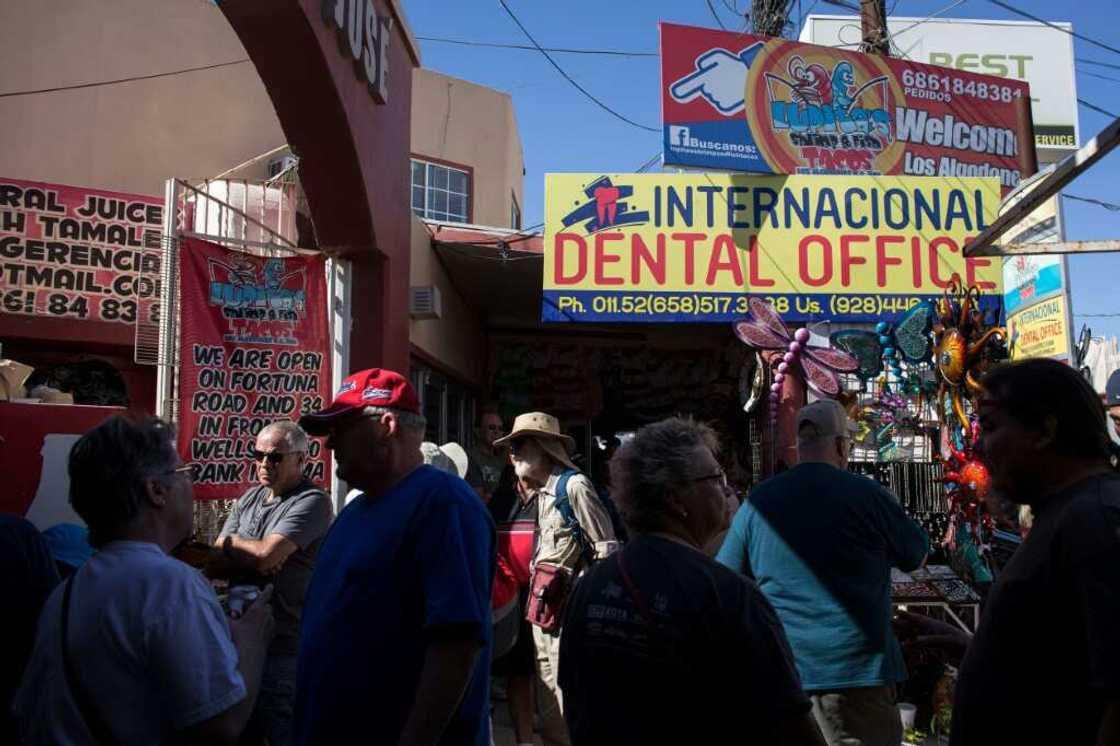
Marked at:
<point>354,156</point>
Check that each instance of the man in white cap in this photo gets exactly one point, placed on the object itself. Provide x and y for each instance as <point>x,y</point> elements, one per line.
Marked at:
<point>573,530</point>
<point>820,542</point>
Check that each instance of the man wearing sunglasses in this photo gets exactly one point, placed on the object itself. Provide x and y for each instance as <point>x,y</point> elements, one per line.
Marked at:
<point>487,461</point>
<point>272,535</point>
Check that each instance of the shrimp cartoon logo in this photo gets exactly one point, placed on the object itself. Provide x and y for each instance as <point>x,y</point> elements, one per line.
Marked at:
<point>812,100</point>
<point>605,207</point>
<point>821,114</point>
<point>260,298</point>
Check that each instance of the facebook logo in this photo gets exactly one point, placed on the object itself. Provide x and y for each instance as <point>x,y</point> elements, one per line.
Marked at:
<point>678,136</point>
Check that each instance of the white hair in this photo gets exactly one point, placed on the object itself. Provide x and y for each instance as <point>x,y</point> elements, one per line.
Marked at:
<point>294,435</point>
<point>408,420</point>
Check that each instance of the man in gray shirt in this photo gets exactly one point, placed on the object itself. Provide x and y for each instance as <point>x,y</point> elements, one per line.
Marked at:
<point>272,535</point>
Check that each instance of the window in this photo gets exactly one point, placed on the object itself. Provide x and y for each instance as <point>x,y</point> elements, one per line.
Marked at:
<point>448,406</point>
<point>440,192</point>
<point>514,213</point>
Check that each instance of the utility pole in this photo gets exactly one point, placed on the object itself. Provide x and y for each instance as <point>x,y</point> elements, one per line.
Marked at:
<point>769,17</point>
<point>873,21</point>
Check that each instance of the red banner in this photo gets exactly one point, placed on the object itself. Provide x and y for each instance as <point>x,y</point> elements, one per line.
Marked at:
<point>753,103</point>
<point>254,350</point>
<point>75,253</point>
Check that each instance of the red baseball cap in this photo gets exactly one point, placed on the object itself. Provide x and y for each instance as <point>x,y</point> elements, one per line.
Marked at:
<point>375,387</point>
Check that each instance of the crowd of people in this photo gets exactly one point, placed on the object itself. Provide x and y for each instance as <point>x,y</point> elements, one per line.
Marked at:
<point>769,621</point>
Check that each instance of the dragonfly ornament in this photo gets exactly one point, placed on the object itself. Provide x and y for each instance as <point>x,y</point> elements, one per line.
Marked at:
<point>820,366</point>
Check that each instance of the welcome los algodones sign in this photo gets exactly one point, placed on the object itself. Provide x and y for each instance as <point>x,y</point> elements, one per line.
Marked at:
<point>751,103</point>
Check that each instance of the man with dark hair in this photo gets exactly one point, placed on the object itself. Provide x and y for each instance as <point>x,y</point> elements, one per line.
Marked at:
<point>272,535</point>
<point>1044,438</point>
<point>820,542</point>
<point>134,647</point>
<point>661,644</point>
<point>396,635</point>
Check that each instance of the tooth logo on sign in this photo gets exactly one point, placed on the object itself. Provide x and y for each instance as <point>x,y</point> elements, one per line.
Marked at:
<point>720,78</point>
<point>606,206</point>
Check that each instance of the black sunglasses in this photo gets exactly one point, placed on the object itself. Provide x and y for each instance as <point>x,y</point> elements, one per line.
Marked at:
<point>274,457</point>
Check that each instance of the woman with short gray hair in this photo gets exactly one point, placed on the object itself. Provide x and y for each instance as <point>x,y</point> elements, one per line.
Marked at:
<point>653,634</point>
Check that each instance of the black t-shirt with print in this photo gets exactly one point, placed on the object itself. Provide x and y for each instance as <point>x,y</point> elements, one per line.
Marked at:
<point>1047,654</point>
<point>715,661</point>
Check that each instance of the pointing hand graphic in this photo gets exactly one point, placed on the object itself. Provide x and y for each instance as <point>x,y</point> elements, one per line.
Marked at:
<point>720,77</point>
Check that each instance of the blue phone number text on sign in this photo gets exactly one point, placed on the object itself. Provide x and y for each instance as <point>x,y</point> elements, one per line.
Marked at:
<point>647,307</point>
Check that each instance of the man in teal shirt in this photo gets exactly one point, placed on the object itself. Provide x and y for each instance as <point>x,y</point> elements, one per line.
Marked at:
<point>820,542</point>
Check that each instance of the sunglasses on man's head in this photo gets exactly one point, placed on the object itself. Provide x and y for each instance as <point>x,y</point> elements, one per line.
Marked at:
<point>274,457</point>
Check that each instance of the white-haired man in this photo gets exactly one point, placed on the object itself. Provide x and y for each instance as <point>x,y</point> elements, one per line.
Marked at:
<point>272,535</point>
<point>573,530</point>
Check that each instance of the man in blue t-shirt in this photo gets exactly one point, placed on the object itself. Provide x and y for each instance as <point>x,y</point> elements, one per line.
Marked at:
<point>396,635</point>
<point>820,542</point>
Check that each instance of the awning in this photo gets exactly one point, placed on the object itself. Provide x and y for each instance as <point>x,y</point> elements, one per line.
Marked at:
<point>498,272</point>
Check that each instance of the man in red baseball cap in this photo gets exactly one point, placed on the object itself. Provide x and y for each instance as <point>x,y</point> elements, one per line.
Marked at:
<point>396,634</point>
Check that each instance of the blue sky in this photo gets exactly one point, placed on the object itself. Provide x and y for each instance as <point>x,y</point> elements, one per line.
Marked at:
<point>563,131</point>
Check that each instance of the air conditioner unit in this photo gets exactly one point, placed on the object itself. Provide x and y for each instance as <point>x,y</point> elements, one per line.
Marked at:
<point>424,302</point>
<point>279,165</point>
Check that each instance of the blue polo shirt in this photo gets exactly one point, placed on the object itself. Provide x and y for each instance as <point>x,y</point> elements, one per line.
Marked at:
<point>394,572</point>
<point>820,542</point>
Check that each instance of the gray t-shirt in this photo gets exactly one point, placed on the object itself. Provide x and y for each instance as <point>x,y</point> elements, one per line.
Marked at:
<point>301,515</point>
<point>151,648</point>
<point>485,469</point>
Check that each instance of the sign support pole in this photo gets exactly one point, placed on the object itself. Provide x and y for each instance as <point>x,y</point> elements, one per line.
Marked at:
<point>167,368</point>
<point>1068,169</point>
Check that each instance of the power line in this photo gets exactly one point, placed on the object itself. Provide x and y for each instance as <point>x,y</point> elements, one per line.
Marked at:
<point>1097,109</point>
<point>569,78</point>
<point>1096,315</point>
<point>802,16</point>
<point>529,48</point>
<point>648,164</point>
<point>124,80</point>
<point>1091,201</point>
<point>928,18</point>
<point>1098,75</point>
<point>1074,34</point>
<point>1084,61</point>
<point>716,15</point>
